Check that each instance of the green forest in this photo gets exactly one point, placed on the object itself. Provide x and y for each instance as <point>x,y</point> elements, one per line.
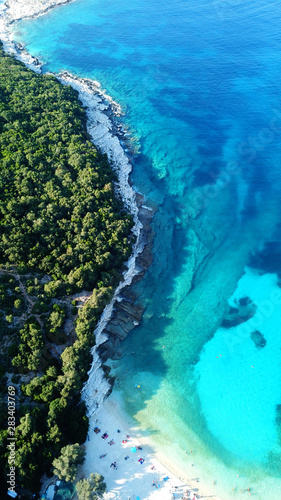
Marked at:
<point>65,235</point>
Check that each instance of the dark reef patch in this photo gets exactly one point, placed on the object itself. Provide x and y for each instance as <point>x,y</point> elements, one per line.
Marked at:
<point>244,311</point>
<point>258,339</point>
<point>245,301</point>
<point>268,260</point>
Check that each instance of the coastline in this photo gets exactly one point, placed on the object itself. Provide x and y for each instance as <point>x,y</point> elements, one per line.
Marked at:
<point>103,133</point>
<point>132,479</point>
<point>111,138</point>
<point>173,452</point>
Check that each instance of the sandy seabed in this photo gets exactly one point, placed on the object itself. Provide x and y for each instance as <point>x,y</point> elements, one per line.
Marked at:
<point>131,479</point>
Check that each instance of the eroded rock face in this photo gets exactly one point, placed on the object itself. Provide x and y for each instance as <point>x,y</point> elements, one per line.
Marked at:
<point>258,339</point>
<point>127,312</point>
<point>244,311</point>
<point>125,317</point>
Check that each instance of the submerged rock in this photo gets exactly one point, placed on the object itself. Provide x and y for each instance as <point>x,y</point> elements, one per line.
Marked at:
<point>244,311</point>
<point>245,301</point>
<point>258,339</point>
<point>230,323</point>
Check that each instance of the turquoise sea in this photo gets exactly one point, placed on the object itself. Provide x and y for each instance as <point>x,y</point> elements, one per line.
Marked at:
<point>200,84</point>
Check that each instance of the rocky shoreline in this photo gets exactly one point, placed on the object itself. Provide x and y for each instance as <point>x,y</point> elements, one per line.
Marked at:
<point>127,312</point>
<point>30,8</point>
<point>110,135</point>
<point>108,106</point>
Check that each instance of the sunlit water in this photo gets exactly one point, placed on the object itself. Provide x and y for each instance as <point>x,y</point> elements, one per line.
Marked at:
<point>200,84</point>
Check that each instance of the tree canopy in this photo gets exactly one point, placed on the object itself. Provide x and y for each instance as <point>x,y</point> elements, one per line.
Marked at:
<point>91,488</point>
<point>58,209</point>
<point>65,466</point>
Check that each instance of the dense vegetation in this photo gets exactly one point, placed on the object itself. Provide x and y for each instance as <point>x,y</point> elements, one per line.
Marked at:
<point>63,230</point>
<point>65,466</point>
<point>92,488</point>
<point>58,211</point>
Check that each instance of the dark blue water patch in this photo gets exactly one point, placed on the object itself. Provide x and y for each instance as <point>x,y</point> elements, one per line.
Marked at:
<point>81,61</point>
<point>269,259</point>
<point>258,184</point>
<point>208,174</point>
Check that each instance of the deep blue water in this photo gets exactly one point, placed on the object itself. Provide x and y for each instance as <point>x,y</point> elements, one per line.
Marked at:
<point>200,85</point>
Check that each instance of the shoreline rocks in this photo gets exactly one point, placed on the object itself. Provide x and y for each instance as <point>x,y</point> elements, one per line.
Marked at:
<point>127,312</point>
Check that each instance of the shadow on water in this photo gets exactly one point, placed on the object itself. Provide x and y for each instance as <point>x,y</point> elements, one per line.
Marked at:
<point>268,259</point>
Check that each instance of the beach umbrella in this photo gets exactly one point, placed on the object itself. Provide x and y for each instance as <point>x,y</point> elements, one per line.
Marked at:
<point>133,449</point>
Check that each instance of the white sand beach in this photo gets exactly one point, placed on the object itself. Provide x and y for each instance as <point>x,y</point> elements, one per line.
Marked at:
<point>131,479</point>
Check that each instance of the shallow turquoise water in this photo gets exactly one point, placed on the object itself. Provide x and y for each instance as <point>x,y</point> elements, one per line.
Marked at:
<point>200,84</point>
<point>233,359</point>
